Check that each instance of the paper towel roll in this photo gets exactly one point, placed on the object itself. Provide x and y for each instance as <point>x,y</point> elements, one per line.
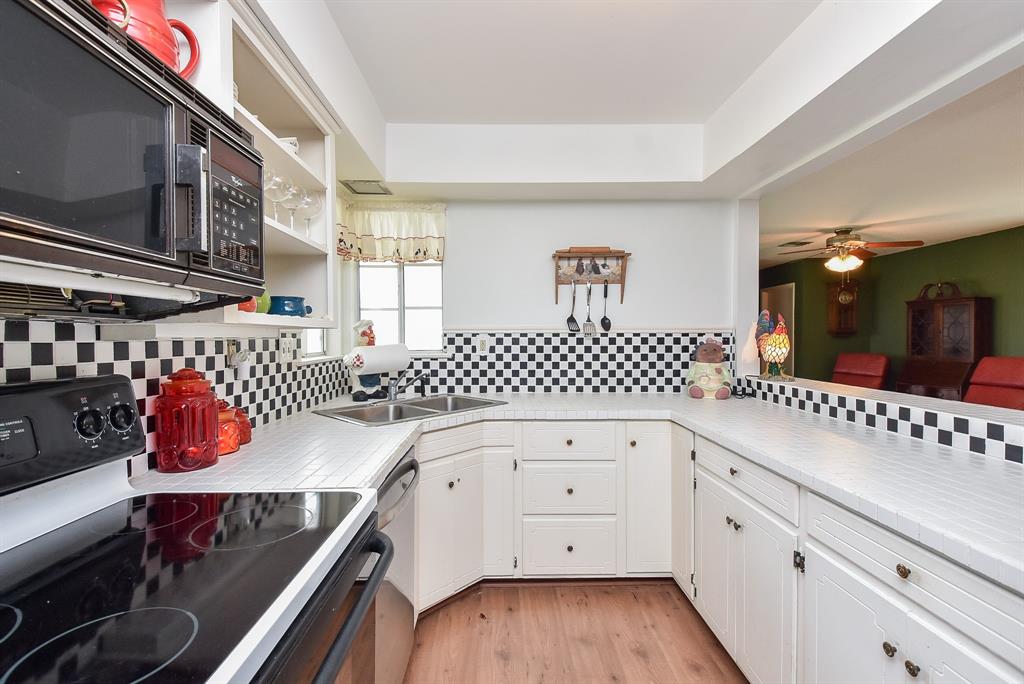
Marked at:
<point>384,358</point>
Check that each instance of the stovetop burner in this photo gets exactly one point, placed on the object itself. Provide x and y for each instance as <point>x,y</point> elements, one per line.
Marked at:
<point>129,646</point>
<point>10,620</point>
<point>138,590</point>
<point>244,528</point>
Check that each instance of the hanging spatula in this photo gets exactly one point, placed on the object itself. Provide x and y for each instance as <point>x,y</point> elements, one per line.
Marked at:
<point>606,323</point>
<point>571,320</point>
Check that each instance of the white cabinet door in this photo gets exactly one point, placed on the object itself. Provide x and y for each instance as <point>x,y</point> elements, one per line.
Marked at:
<point>434,530</point>
<point>714,572</point>
<point>682,509</point>
<point>467,528</point>
<point>945,657</point>
<point>847,626</point>
<point>499,511</point>
<point>766,588</point>
<point>648,497</point>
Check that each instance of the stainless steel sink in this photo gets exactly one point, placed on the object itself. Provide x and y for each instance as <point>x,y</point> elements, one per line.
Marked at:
<point>450,403</point>
<point>388,413</point>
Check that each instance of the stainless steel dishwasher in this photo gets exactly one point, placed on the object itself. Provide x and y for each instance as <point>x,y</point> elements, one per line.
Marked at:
<point>396,609</point>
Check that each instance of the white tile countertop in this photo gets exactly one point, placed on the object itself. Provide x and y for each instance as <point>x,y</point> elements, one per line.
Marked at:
<point>965,506</point>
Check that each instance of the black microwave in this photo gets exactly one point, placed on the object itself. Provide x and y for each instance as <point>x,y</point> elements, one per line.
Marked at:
<point>111,163</point>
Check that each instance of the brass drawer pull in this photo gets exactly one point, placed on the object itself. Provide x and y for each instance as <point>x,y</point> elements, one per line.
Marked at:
<point>733,471</point>
<point>569,491</point>
<point>568,442</point>
<point>903,571</point>
<point>912,669</point>
<point>632,443</point>
<point>569,548</point>
<point>889,649</point>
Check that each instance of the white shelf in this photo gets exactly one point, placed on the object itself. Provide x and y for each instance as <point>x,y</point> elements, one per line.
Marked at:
<point>233,315</point>
<point>280,239</point>
<point>277,155</point>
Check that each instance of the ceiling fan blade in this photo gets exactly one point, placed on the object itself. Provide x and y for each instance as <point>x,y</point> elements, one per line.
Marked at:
<point>802,251</point>
<point>862,253</point>
<point>905,243</point>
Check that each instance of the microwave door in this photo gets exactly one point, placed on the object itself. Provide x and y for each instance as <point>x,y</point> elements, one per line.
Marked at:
<point>87,143</point>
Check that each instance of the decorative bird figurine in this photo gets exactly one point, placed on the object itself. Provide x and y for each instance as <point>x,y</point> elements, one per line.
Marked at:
<point>774,347</point>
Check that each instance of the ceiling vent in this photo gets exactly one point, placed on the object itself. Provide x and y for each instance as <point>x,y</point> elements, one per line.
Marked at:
<point>795,243</point>
<point>365,187</point>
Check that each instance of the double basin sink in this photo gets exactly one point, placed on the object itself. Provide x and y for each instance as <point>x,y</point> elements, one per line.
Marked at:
<point>390,412</point>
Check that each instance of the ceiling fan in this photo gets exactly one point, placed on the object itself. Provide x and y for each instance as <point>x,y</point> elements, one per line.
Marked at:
<point>845,241</point>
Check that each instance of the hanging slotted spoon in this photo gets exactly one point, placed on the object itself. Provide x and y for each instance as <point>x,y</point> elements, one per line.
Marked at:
<point>589,329</point>
<point>571,320</point>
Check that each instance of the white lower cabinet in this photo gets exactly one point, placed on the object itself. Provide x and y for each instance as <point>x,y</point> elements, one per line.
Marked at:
<point>569,545</point>
<point>746,580</point>
<point>648,497</point>
<point>464,521</point>
<point>682,509</point>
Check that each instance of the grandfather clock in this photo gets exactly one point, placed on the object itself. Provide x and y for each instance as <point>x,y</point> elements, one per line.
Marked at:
<point>947,334</point>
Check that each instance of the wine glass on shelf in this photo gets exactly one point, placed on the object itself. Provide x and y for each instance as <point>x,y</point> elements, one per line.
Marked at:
<point>276,188</point>
<point>292,202</point>
<point>310,206</point>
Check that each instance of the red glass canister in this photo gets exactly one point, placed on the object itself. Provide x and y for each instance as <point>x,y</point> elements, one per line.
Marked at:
<point>186,423</point>
<point>244,425</point>
<point>227,432</point>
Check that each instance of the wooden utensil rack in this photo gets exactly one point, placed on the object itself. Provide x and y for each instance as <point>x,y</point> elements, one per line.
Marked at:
<point>566,261</point>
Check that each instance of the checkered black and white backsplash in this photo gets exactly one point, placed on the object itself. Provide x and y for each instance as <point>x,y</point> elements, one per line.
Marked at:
<point>565,362</point>
<point>43,350</point>
<point>961,432</point>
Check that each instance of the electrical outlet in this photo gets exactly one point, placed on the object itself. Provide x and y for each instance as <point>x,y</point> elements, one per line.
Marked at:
<point>286,348</point>
<point>482,344</point>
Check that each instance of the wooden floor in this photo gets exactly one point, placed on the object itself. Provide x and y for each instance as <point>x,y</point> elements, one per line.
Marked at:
<point>568,632</point>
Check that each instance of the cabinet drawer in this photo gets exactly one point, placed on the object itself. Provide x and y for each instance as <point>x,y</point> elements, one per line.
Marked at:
<point>568,487</point>
<point>770,490</point>
<point>572,441</point>
<point>569,546</point>
<point>988,613</point>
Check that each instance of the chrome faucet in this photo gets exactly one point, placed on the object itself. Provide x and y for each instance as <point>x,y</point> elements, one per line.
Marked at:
<point>394,390</point>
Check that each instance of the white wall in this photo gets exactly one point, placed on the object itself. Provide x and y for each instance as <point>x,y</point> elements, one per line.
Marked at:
<point>498,272</point>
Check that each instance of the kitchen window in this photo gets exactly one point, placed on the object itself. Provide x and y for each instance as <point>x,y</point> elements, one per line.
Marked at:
<point>404,303</point>
<point>314,343</point>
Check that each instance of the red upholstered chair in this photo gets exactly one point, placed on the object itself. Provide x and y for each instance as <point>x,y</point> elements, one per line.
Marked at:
<point>861,369</point>
<point>998,381</point>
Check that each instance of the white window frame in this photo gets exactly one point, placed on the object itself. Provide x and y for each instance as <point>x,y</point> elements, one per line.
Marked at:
<point>402,308</point>
<point>314,356</point>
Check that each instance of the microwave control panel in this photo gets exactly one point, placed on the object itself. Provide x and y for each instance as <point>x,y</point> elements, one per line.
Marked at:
<point>236,223</point>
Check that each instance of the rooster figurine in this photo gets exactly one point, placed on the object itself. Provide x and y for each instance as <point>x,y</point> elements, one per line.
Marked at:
<point>773,345</point>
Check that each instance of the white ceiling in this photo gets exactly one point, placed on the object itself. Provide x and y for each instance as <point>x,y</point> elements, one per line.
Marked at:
<point>956,172</point>
<point>533,61</point>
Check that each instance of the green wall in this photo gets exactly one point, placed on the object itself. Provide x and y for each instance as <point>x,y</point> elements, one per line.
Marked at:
<point>990,265</point>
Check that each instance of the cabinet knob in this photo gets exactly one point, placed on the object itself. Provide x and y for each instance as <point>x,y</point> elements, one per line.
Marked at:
<point>450,484</point>
<point>569,491</point>
<point>736,526</point>
<point>569,548</point>
<point>912,669</point>
<point>733,471</point>
<point>568,442</point>
<point>728,520</point>
<point>632,442</point>
<point>902,570</point>
<point>889,649</point>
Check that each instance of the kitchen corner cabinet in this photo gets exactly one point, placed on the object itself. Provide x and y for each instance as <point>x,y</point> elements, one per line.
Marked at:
<point>648,497</point>
<point>745,578</point>
<point>682,508</point>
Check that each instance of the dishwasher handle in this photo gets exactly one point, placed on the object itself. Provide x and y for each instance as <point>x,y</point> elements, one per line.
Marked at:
<point>379,543</point>
<point>412,465</point>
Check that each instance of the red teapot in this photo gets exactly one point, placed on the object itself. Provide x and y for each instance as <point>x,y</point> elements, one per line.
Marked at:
<point>146,21</point>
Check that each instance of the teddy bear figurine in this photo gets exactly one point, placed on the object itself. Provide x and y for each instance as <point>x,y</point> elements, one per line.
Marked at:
<point>709,378</point>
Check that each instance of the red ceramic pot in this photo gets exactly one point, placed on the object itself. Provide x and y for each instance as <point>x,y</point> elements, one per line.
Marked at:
<point>147,22</point>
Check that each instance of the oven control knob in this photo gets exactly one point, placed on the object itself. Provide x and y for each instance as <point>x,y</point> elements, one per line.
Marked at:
<point>89,423</point>
<point>122,417</point>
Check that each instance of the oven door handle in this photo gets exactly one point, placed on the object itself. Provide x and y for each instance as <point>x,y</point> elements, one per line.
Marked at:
<point>409,466</point>
<point>379,543</point>
<point>190,170</point>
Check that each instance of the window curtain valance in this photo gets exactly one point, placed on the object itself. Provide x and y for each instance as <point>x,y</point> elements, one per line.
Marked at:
<point>403,232</point>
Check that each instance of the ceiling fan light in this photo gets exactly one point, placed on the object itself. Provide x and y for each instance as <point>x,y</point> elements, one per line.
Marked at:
<point>842,263</point>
